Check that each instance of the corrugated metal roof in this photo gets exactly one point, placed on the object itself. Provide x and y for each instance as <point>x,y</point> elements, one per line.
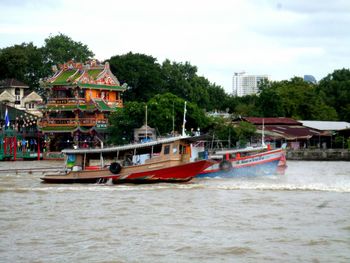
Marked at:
<point>5,83</point>
<point>290,132</point>
<point>327,125</point>
<point>274,121</point>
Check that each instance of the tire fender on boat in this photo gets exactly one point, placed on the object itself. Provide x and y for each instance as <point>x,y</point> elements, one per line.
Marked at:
<point>115,168</point>
<point>225,165</point>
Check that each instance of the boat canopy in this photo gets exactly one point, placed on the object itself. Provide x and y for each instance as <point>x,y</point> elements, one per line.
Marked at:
<point>124,147</point>
<point>242,150</point>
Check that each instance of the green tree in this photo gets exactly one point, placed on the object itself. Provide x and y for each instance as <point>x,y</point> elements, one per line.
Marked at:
<point>293,98</point>
<point>246,105</point>
<point>244,132</point>
<point>22,62</point>
<point>142,73</point>
<point>61,48</point>
<point>164,111</point>
<point>168,109</point>
<point>124,121</point>
<point>223,130</point>
<point>226,131</point>
<point>335,91</point>
<point>182,80</point>
<point>269,103</point>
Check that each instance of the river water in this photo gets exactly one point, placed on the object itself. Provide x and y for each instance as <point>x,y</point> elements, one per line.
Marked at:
<point>301,216</point>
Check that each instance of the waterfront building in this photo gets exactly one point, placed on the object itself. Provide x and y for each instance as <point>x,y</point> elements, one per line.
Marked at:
<point>16,94</point>
<point>243,84</point>
<point>80,99</point>
<point>19,136</point>
<point>279,130</point>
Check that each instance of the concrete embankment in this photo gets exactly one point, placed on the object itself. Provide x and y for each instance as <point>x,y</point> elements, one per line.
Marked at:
<point>319,154</point>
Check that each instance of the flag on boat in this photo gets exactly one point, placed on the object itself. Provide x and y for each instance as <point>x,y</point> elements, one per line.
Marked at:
<point>7,118</point>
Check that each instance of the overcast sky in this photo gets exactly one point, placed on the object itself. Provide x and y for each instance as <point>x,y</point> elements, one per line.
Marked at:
<point>278,38</point>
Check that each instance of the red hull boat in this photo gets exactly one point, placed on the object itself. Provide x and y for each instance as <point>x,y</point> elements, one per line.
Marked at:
<point>166,160</point>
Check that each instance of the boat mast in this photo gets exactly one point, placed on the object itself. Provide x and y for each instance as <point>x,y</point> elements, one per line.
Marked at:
<point>146,126</point>
<point>173,121</point>
<point>263,133</point>
<point>184,121</point>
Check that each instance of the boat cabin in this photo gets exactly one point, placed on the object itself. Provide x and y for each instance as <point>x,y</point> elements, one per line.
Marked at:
<point>170,149</point>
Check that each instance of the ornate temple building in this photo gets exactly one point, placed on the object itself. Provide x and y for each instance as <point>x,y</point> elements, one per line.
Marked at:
<point>80,98</point>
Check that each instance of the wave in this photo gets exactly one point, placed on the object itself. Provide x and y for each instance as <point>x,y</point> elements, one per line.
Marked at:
<point>209,184</point>
<point>285,187</point>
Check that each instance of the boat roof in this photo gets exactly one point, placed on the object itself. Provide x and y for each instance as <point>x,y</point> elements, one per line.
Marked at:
<point>247,149</point>
<point>125,147</point>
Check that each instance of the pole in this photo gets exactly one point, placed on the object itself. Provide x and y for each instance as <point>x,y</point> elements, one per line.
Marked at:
<point>263,133</point>
<point>38,147</point>
<point>146,126</point>
<point>15,148</point>
<point>173,121</point>
<point>184,120</point>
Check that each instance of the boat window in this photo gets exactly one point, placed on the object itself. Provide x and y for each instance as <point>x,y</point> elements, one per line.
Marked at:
<point>182,149</point>
<point>166,149</point>
<point>174,149</point>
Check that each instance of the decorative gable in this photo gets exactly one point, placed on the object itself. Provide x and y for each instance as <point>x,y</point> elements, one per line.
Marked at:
<point>32,97</point>
<point>6,96</point>
<point>106,77</point>
<point>85,78</point>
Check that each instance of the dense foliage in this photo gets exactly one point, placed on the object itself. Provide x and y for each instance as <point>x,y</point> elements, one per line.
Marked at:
<point>146,78</point>
<point>23,62</point>
<point>61,48</point>
<point>30,64</point>
<point>165,114</point>
<point>164,87</point>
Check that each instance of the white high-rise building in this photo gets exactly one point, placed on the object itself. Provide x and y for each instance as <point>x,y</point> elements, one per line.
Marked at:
<point>246,84</point>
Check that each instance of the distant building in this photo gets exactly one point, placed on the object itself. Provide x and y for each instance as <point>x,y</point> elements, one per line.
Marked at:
<point>310,79</point>
<point>327,125</point>
<point>144,134</point>
<point>246,84</point>
<point>216,113</point>
<point>287,130</point>
<point>16,94</point>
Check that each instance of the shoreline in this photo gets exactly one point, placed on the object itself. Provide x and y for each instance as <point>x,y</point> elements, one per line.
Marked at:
<point>318,155</point>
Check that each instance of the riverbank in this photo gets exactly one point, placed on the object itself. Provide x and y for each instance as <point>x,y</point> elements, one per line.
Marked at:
<point>319,154</point>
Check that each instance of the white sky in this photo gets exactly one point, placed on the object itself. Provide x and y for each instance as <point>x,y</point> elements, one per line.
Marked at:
<point>279,38</point>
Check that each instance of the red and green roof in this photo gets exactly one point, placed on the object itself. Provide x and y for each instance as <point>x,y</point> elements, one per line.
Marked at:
<point>103,106</point>
<point>90,76</point>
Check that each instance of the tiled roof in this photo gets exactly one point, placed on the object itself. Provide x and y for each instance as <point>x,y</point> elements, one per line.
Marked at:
<point>82,107</point>
<point>12,83</point>
<point>103,106</point>
<point>58,129</point>
<point>100,86</point>
<point>63,77</point>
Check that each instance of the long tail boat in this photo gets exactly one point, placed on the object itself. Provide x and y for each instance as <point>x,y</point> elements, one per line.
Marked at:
<point>250,161</point>
<point>163,160</point>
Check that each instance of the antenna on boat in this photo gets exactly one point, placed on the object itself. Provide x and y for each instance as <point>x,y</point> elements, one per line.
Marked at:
<point>263,133</point>
<point>184,121</point>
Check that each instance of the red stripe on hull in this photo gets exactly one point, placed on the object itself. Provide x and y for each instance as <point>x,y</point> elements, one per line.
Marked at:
<point>183,172</point>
